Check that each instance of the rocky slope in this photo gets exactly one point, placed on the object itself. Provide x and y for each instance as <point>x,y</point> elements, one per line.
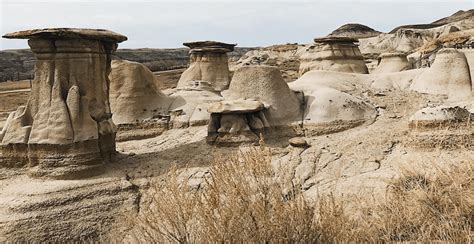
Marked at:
<point>458,16</point>
<point>406,39</point>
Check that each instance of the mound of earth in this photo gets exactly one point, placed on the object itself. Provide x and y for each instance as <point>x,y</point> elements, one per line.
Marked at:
<point>449,75</point>
<point>134,93</point>
<point>265,84</point>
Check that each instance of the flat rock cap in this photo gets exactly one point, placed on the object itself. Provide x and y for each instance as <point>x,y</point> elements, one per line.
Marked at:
<point>67,33</point>
<point>395,54</point>
<point>235,106</point>
<point>210,44</point>
<point>336,39</point>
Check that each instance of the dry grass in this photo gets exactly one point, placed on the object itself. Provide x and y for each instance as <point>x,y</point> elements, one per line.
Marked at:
<point>425,208</point>
<point>242,202</point>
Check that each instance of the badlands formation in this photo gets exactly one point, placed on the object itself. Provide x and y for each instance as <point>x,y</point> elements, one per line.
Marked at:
<point>95,133</point>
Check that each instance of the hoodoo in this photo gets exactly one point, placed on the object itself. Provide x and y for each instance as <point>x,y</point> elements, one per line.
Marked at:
<point>340,54</point>
<point>208,63</point>
<point>392,62</point>
<point>65,130</point>
<point>258,98</point>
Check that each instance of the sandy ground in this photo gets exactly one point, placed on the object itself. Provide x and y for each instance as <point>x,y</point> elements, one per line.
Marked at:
<point>358,162</point>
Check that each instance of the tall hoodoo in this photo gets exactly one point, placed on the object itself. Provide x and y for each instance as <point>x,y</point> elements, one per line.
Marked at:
<point>209,63</point>
<point>340,54</point>
<point>65,130</point>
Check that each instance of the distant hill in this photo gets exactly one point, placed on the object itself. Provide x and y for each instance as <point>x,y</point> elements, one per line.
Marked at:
<point>459,15</point>
<point>19,63</point>
<point>354,30</point>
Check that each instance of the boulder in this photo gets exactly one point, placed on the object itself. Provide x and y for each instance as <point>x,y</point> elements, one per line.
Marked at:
<point>298,142</point>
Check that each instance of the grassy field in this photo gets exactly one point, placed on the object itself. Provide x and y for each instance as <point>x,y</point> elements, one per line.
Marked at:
<point>11,101</point>
<point>14,85</point>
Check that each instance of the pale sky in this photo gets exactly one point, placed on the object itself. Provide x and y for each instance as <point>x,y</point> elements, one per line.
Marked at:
<point>166,24</point>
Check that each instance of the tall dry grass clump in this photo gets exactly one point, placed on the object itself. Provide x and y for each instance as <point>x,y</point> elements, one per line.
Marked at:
<point>241,201</point>
<point>426,208</point>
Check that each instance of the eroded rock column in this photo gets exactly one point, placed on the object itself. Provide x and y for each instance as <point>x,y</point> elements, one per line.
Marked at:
<point>209,63</point>
<point>340,54</point>
<point>65,130</point>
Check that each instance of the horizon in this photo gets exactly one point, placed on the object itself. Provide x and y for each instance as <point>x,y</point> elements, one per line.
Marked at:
<point>164,24</point>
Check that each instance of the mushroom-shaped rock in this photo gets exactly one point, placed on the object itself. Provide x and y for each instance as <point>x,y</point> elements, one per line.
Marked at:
<point>392,62</point>
<point>134,96</point>
<point>265,84</point>
<point>449,75</point>
<point>209,63</point>
<point>65,130</point>
<point>241,118</point>
<point>335,54</point>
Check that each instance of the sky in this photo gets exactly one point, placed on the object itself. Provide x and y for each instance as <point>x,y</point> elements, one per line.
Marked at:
<point>167,24</point>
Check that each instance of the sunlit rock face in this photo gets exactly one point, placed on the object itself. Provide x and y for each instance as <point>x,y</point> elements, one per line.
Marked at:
<point>134,95</point>
<point>208,63</point>
<point>339,54</point>
<point>449,75</point>
<point>65,130</point>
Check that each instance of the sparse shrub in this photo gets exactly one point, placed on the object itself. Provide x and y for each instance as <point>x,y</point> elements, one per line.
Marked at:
<point>241,201</point>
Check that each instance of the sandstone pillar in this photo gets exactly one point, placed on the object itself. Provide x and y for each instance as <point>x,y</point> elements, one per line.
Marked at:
<point>339,54</point>
<point>209,63</point>
<point>65,130</point>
